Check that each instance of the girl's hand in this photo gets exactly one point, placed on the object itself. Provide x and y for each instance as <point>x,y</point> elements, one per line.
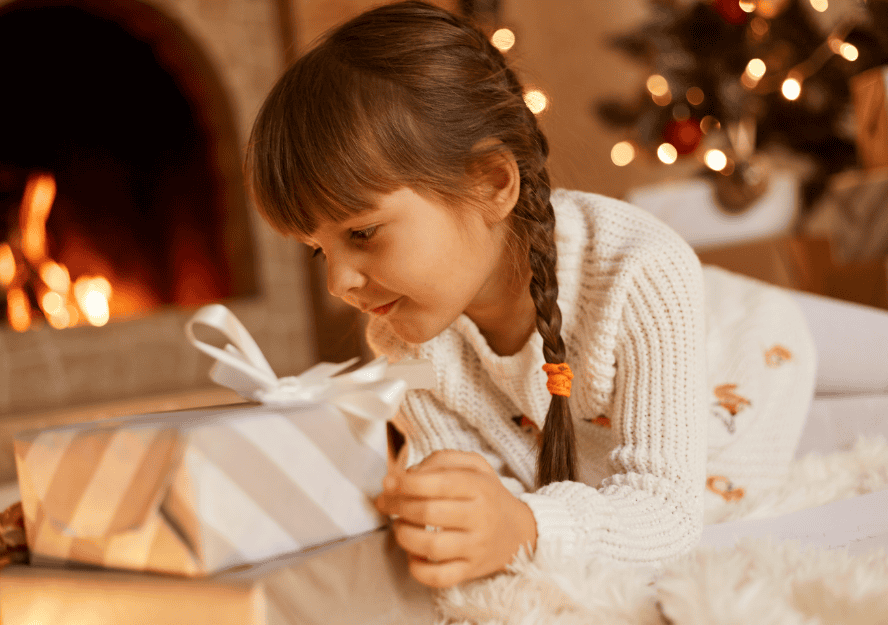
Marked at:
<point>455,519</point>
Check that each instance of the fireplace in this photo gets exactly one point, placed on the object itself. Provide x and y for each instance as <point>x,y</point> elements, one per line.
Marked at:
<point>122,205</point>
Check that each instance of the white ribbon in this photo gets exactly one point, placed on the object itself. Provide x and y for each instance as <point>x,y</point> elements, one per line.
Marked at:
<point>371,392</point>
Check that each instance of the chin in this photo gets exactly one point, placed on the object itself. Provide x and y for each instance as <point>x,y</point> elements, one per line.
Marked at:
<point>416,333</point>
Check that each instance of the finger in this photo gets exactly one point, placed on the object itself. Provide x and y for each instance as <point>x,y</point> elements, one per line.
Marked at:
<point>452,459</point>
<point>435,546</point>
<point>437,484</point>
<point>438,575</point>
<point>447,513</point>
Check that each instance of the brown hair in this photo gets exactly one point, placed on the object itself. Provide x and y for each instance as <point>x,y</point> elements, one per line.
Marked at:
<point>399,96</point>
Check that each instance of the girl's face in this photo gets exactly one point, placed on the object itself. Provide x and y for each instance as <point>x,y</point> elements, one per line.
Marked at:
<point>410,261</point>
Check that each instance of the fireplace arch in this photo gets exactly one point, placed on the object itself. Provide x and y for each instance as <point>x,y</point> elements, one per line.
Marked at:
<point>119,104</point>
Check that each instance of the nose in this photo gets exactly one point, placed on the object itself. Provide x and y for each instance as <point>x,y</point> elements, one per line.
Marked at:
<point>344,275</point>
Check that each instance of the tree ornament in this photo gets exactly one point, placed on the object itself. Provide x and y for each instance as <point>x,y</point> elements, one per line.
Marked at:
<point>741,188</point>
<point>684,134</point>
<point>731,12</point>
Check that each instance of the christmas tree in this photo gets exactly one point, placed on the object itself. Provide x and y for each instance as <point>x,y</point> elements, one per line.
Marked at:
<point>730,78</point>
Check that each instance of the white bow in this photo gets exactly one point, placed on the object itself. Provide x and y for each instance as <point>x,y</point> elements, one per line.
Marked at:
<point>371,392</point>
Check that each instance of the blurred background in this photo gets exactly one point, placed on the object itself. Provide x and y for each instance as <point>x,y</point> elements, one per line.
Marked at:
<point>757,129</point>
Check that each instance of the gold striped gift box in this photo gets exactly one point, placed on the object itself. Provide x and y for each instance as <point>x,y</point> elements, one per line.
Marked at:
<point>198,492</point>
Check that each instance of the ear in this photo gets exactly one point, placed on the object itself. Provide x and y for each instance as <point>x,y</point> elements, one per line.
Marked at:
<point>499,183</point>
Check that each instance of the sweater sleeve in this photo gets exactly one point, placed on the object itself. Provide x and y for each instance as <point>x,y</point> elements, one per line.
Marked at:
<point>651,508</point>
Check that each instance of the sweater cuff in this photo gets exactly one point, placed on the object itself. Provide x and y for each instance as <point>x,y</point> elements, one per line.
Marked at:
<point>555,525</point>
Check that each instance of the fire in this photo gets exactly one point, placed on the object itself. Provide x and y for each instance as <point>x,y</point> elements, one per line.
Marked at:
<point>36,204</point>
<point>93,294</point>
<point>64,301</point>
<point>7,265</point>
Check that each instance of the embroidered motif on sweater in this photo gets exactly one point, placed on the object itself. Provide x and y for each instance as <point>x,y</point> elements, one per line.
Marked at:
<point>601,420</point>
<point>722,486</point>
<point>730,402</point>
<point>777,356</point>
<point>527,426</point>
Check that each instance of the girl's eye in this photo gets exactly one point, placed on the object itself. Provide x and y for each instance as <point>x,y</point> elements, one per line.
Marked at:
<point>363,235</point>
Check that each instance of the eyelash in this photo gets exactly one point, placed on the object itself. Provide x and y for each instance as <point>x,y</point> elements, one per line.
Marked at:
<point>363,235</point>
<point>358,236</point>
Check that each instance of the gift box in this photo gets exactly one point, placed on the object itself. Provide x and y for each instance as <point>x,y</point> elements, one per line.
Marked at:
<point>869,91</point>
<point>853,214</point>
<point>30,595</point>
<point>201,491</point>
<point>807,264</point>
<point>800,263</point>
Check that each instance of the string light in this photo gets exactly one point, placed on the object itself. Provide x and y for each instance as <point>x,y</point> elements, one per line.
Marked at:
<point>659,89</point>
<point>791,88</point>
<point>729,168</point>
<point>753,77</point>
<point>623,153</point>
<point>759,26</point>
<point>667,153</point>
<point>849,51</point>
<point>767,8</point>
<point>695,96</point>
<point>657,85</point>
<point>756,68</point>
<point>708,124</point>
<point>536,101</point>
<point>503,39</point>
<point>715,160</point>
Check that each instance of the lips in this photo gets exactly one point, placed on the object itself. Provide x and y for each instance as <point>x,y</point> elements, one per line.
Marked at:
<point>384,308</point>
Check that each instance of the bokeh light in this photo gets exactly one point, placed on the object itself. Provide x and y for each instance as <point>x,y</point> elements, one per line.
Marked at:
<point>849,51</point>
<point>791,89</point>
<point>623,153</point>
<point>536,101</point>
<point>657,85</point>
<point>667,153</point>
<point>695,96</point>
<point>756,68</point>
<point>503,39</point>
<point>715,160</point>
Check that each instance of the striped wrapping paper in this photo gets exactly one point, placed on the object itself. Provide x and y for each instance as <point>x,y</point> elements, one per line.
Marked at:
<point>197,492</point>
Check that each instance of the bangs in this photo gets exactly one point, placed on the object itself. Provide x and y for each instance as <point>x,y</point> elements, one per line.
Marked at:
<point>329,140</point>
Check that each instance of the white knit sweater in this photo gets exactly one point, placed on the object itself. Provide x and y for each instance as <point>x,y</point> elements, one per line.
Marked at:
<point>639,335</point>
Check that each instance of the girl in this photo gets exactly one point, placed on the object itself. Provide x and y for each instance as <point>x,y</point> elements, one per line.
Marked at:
<point>596,389</point>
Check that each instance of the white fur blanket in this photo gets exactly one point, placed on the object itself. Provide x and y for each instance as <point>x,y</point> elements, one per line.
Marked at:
<point>757,581</point>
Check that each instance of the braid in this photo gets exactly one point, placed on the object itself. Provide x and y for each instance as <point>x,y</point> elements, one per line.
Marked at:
<point>557,455</point>
<point>535,222</point>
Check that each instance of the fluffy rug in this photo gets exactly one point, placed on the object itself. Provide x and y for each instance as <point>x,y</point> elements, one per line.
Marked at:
<point>757,581</point>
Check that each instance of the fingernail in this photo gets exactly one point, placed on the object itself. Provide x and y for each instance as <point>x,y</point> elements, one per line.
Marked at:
<point>389,482</point>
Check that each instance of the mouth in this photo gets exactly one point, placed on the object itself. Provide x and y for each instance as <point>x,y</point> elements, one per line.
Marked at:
<point>384,308</point>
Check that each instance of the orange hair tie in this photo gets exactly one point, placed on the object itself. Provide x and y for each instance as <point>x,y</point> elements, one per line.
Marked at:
<point>560,376</point>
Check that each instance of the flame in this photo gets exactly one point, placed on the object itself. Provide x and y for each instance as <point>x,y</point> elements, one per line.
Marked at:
<point>7,265</point>
<point>37,201</point>
<point>92,294</point>
<point>55,276</point>
<point>18,309</point>
<point>65,301</point>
